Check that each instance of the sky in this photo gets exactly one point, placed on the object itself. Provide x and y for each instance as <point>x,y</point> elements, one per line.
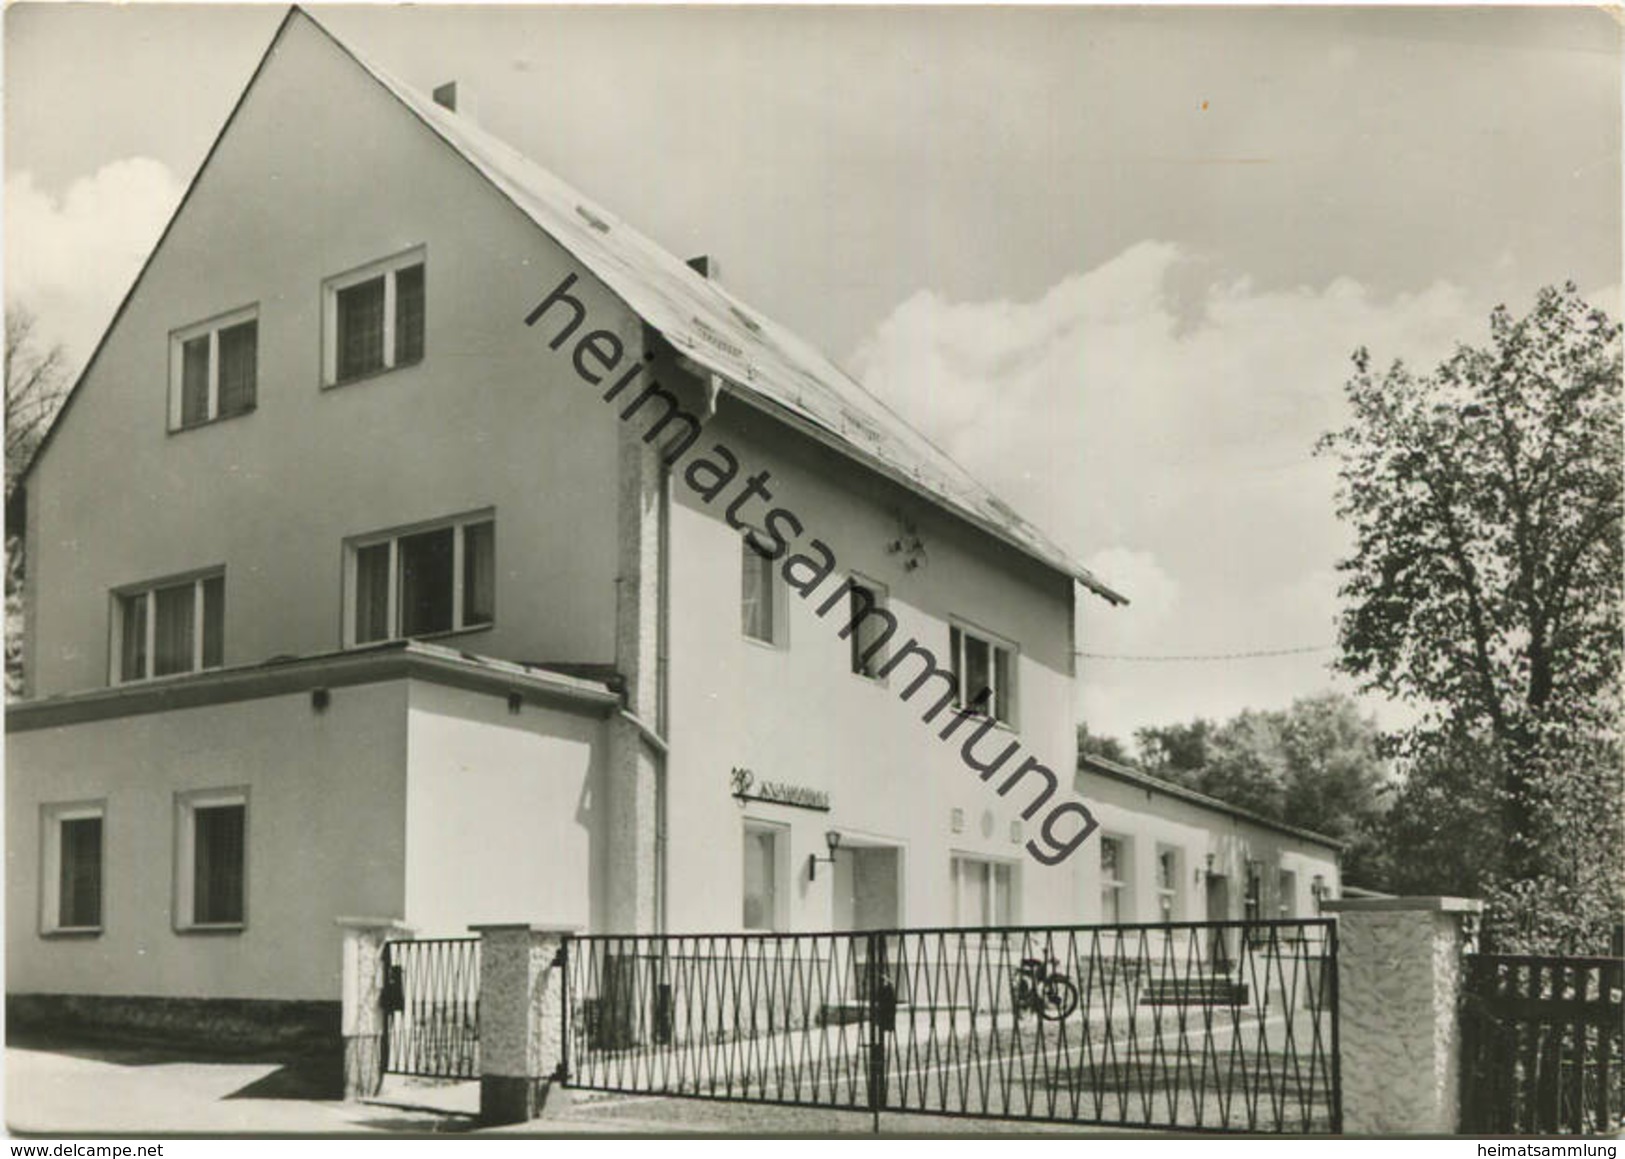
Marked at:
<point>1115,261</point>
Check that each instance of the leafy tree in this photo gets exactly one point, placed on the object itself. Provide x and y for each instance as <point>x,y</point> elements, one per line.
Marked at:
<point>1316,764</point>
<point>1108,747</point>
<point>1484,591</point>
<point>36,383</point>
<point>1178,752</point>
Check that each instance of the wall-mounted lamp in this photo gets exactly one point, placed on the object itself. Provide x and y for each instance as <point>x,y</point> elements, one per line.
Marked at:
<point>833,840</point>
<point>516,701</point>
<point>319,699</point>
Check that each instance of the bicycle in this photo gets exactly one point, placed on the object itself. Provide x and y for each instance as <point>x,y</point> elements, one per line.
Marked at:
<point>1038,985</point>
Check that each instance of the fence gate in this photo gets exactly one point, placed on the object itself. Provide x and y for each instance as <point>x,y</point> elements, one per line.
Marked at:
<point>1210,1026</point>
<point>431,991</point>
<point>1542,1045</point>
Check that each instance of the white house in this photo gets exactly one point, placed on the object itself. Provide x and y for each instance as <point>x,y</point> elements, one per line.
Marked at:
<point>421,542</point>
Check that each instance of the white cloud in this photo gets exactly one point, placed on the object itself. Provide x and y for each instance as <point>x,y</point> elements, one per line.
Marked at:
<point>71,258</point>
<point>1141,403</point>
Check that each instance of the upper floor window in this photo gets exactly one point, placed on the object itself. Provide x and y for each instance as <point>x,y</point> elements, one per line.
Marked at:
<point>72,880</point>
<point>869,631</point>
<point>761,595</point>
<point>373,318</point>
<point>417,581</point>
<point>169,627</point>
<point>984,673</point>
<point>214,369</point>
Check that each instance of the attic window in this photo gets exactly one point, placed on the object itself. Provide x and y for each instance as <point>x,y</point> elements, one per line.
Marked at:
<point>213,369</point>
<point>593,219</point>
<point>374,318</point>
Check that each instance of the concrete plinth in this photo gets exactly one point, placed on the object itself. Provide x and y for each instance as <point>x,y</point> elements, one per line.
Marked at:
<point>521,1019</point>
<point>361,1018</point>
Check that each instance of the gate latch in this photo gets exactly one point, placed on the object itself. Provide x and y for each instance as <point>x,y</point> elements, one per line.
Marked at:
<point>393,997</point>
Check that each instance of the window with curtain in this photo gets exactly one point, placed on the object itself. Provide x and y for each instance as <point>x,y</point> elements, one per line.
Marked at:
<point>1113,883</point>
<point>214,369</point>
<point>423,581</point>
<point>758,604</point>
<point>1167,883</point>
<point>409,315</point>
<point>984,892</point>
<point>869,637</point>
<point>984,672</point>
<point>761,878</point>
<point>215,830</point>
<point>361,329</point>
<point>79,889</point>
<point>239,368</point>
<point>170,628</point>
<point>375,318</point>
<point>1286,894</point>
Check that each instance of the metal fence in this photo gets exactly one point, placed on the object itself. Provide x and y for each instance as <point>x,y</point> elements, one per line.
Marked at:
<point>431,992</point>
<point>1542,1045</point>
<point>1215,1026</point>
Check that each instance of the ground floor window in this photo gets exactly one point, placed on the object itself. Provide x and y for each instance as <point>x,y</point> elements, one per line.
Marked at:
<point>766,847</point>
<point>1253,900</point>
<point>211,881</point>
<point>72,868</point>
<point>1113,880</point>
<point>1167,883</point>
<point>984,892</point>
<point>1286,894</point>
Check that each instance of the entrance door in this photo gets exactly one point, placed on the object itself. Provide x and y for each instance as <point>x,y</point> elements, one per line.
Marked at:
<point>1218,910</point>
<point>866,892</point>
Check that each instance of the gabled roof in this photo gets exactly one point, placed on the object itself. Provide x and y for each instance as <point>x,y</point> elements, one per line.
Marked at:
<point>759,361</point>
<point>1090,763</point>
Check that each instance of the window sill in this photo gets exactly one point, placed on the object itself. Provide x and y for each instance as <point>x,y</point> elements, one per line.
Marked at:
<point>999,725</point>
<point>134,681</point>
<point>449,633</point>
<point>876,681</point>
<point>770,645</point>
<point>213,928</point>
<point>371,374</point>
<point>186,428</point>
<point>72,932</point>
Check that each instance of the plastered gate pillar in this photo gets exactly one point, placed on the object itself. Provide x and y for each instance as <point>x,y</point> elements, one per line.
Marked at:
<point>362,1008</point>
<point>521,1018</point>
<point>1400,969</point>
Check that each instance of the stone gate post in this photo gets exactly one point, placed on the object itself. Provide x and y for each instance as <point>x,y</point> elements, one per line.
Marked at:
<point>1400,972</point>
<point>361,997</point>
<point>521,1018</point>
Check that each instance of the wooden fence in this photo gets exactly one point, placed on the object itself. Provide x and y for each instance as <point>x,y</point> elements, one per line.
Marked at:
<point>1542,1045</point>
